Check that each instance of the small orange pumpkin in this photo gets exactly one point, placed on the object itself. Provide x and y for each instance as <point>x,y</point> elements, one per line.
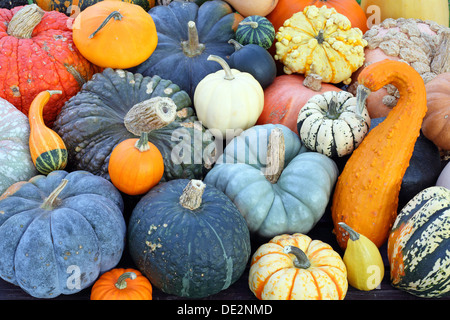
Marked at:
<point>122,284</point>
<point>115,34</point>
<point>135,165</point>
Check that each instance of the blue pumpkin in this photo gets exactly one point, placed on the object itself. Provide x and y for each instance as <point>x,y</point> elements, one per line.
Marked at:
<point>60,232</point>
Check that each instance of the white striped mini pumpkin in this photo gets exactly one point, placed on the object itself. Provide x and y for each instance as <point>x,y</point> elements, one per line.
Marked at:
<point>332,124</point>
<point>419,245</point>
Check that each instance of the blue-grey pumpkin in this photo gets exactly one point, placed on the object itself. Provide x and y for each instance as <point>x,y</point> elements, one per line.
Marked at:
<point>188,239</point>
<point>292,198</point>
<point>60,232</point>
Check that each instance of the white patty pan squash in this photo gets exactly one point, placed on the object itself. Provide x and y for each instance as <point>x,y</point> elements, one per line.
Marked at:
<point>321,41</point>
<point>228,100</point>
<point>15,159</point>
<point>333,123</point>
<point>277,184</point>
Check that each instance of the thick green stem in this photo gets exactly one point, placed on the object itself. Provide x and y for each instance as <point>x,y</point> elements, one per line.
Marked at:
<point>142,144</point>
<point>301,260</point>
<point>122,283</point>
<point>192,47</point>
<point>115,14</point>
<point>52,200</point>
<point>224,64</point>
<point>352,233</point>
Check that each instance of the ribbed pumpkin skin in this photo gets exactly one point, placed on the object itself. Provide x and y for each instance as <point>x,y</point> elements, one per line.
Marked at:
<point>188,253</point>
<point>15,160</point>
<point>418,245</point>
<point>91,124</point>
<point>214,21</point>
<point>85,229</point>
<point>263,34</point>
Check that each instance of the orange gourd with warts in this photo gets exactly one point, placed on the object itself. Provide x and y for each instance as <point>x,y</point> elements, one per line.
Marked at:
<point>366,193</point>
<point>47,149</point>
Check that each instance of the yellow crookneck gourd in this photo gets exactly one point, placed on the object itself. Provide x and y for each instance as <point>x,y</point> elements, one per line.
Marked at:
<point>47,149</point>
<point>362,258</point>
<point>321,41</point>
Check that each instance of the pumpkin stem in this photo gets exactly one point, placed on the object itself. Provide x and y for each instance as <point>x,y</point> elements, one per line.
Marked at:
<point>224,64</point>
<point>320,38</point>
<point>192,47</point>
<point>122,283</point>
<point>275,156</point>
<point>152,114</point>
<point>313,81</point>
<point>115,14</point>
<point>237,46</point>
<point>352,233</point>
<point>191,198</point>
<point>24,21</point>
<point>301,260</point>
<point>253,24</point>
<point>441,60</point>
<point>362,92</point>
<point>333,109</point>
<point>52,200</point>
<point>142,144</point>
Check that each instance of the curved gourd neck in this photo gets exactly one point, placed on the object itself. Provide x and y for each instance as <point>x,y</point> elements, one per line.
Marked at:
<point>35,113</point>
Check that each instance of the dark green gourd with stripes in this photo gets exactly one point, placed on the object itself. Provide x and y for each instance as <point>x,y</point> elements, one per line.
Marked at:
<point>256,30</point>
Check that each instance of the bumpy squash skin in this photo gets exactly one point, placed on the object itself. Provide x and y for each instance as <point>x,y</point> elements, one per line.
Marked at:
<point>91,124</point>
<point>214,21</point>
<point>86,228</point>
<point>366,194</point>
<point>418,245</point>
<point>188,253</point>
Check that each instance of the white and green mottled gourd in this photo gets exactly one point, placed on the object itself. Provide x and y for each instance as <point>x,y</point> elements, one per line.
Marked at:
<point>15,159</point>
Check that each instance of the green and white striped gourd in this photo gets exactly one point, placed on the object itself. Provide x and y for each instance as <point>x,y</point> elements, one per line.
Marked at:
<point>256,30</point>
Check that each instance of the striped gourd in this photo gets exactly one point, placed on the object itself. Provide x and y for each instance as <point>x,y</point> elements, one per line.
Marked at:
<point>419,245</point>
<point>256,30</point>
<point>47,149</point>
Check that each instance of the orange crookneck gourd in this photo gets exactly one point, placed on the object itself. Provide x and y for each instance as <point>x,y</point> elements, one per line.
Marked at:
<point>366,193</point>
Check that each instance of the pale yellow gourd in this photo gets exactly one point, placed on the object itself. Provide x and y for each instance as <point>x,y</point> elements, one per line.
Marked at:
<point>321,41</point>
<point>362,258</point>
<point>434,10</point>
<point>228,101</point>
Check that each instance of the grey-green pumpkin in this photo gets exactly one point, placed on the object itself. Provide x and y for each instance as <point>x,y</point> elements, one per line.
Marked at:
<point>106,111</point>
<point>277,184</point>
<point>60,232</point>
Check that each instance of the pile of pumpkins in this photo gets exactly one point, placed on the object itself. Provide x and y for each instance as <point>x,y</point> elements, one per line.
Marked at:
<point>224,121</point>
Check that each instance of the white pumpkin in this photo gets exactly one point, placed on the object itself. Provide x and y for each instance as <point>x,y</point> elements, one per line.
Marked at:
<point>15,159</point>
<point>332,123</point>
<point>444,177</point>
<point>228,101</point>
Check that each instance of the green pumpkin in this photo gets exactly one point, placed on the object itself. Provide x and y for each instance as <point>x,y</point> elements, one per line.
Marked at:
<point>15,159</point>
<point>188,239</point>
<point>93,122</point>
<point>187,35</point>
<point>276,183</point>
<point>256,30</point>
<point>418,245</point>
<point>60,232</point>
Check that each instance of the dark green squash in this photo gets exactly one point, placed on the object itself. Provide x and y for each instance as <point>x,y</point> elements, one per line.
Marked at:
<point>60,232</point>
<point>187,35</point>
<point>255,60</point>
<point>418,245</point>
<point>256,30</point>
<point>188,239</point>
<point>92,123</point>
<point>8,4</point>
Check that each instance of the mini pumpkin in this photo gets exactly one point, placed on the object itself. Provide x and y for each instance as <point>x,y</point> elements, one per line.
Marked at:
<point>115,34</point>
<point>60,232</point>
<point>48,59</point>
<point>295,267</point>
<point>333,123</point>
<point>228,100</point>
<point>256,30</point>
<point>322,41</point>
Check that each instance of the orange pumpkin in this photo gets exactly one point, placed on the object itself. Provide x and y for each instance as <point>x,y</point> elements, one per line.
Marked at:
<point>115,34</point>
<point>135,165</point>
<point>436,124</point>
<point>367,191</point>
<point>284,98</point>
<point>122,284</point>
<point>295,267</point>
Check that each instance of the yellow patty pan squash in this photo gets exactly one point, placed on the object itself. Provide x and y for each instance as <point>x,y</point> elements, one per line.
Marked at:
<point>321,41</point>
